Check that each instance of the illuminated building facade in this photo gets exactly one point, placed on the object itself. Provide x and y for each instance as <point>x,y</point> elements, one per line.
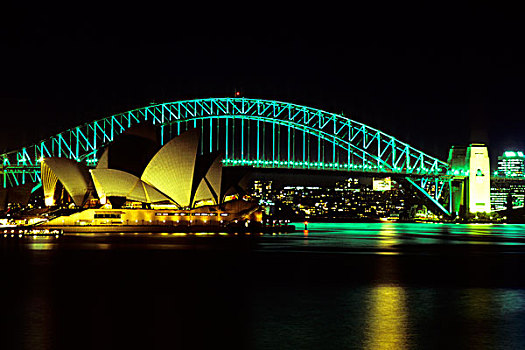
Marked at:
<point>174,176</point>
<point>511,164</point>
<point>173,187</point>
<point>510,180</point>
<point>262,189</point>
<point>500,189</point>
<point>472,162</point>
<point>478,194</point>
<point>62,177</point>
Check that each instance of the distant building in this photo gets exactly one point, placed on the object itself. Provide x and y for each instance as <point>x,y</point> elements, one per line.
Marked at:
<point>501,188</point>
<point>350,198</point>
<point>262,189</point>
<point>511,164</point>
<point>510,180</point>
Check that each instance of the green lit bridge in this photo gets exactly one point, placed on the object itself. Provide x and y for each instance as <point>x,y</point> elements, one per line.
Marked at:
<point>254,133</point>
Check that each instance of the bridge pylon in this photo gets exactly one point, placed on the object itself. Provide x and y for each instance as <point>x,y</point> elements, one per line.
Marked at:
<point>471,179</point>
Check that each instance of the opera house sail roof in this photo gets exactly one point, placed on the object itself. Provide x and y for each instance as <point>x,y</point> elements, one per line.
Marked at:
<point>131,151</point>
<point>171,170</point>
<point>174,174</point>
<point>74,176</point>
<point>210,185</point>
<point>117,183</point>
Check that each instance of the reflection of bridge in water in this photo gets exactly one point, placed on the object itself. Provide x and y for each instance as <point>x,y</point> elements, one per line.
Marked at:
<point>258,134</point>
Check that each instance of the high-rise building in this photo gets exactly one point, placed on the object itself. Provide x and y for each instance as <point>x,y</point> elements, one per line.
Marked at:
<point>510,180</point>
<point>262,189</point>
<point>511,164</point>
<point>501,188</point>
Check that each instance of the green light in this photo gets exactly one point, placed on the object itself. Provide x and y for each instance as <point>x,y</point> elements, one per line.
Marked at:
<point>510,154</point>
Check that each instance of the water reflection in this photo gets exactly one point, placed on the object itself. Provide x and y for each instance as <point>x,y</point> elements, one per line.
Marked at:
<point>388,239</point>
<point>493,317</point>
<point>391,238</point>
<point>41,243</point>
<point>455,296</point>
<point>387,318</point>
<point>102,246</point>
<point>511,328</point>
<point>479,307</point>
<point>41,246</point>
<point>510,301</point>
<point>38,321</point>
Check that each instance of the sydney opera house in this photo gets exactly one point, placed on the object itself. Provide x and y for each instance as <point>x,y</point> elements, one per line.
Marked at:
<point>138,185</point>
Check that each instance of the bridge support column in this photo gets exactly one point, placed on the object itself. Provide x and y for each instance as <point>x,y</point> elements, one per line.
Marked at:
<point>458,197</point>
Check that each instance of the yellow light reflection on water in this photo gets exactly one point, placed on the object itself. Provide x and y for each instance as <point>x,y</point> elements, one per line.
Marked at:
<point>479,306</point>
<point>477,301</point>
<point>103,246</point>
<point>386,319</point>
<point>41,246</point>
<point>388,237</point>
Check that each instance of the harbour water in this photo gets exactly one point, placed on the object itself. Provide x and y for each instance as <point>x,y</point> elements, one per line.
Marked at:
<point>335,286</point>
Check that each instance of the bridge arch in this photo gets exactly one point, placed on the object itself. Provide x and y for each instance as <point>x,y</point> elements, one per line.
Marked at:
<point>341,143</point>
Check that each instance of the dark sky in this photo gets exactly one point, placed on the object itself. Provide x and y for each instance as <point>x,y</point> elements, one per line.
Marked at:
<point>433,76</point>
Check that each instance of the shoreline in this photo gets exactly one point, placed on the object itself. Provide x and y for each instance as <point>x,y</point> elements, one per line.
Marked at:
<point>42,230</point>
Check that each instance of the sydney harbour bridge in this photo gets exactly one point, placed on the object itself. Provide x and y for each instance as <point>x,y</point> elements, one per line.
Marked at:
<point>253,133</point>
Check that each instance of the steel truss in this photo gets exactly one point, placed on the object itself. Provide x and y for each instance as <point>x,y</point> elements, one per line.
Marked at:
<point>249,132</point>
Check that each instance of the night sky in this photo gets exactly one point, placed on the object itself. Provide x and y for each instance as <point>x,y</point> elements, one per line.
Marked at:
<point>432,77</point>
